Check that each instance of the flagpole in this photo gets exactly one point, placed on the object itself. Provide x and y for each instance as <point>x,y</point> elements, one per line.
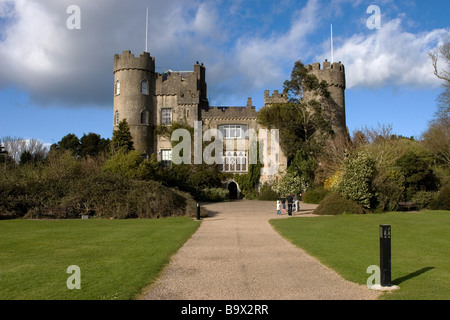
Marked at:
<point>332,49</point>
<point>146,32</point>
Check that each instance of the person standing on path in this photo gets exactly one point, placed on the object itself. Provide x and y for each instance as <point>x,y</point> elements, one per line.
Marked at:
<point>290,201</point>
<point>278,207</point>
<point>296,203</point>
<point>283,202</point>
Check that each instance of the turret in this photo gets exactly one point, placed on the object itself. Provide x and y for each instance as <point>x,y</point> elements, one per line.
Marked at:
<point>334,75</point>
<point>134,97</point>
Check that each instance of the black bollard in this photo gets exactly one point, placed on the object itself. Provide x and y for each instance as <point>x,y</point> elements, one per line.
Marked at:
<point>198,211</point>
<point>385,255</point>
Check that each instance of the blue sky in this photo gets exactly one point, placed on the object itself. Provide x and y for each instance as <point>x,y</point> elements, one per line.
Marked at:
<point>55,81</point>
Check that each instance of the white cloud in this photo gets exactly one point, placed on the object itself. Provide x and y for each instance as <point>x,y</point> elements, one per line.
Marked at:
<point>262,60</point>
<point>55,65</point>
<point>390,56</point>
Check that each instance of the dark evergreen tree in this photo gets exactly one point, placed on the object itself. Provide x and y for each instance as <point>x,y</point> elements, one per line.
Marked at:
<point>122,139</point>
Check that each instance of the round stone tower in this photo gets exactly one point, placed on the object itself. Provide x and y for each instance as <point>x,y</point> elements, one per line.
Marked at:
<point>134,97</point>
<point>334,75</point>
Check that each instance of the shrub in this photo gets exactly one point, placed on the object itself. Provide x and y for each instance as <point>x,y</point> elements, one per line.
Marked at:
<point>356,183</point>
<point>267,193</point>
<point>442,201</point>
<point>335,204</point>
<point>422,199</point>
<point>214,194</point>
<point>291,183</point>
<point>389,189</point>
<point>109,195</point>
<point>315,196</point>
<point>332,182</point>
<point>125,164</point>
<point>418,174</point>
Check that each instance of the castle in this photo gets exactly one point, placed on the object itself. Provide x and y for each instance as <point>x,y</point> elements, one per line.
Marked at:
<point>146,99</point>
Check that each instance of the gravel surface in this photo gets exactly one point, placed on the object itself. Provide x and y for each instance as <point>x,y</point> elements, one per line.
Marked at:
<point>237,255</point>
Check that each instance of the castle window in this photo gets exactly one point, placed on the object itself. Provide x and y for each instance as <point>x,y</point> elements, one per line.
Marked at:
<point>166,157</point>
<point>231,131</point>
<point>117,87</point>
<point>144,117</point>
<point>234,162</point>
<point>116,118</point>
<point>144,87</point>
<point>166,116</point>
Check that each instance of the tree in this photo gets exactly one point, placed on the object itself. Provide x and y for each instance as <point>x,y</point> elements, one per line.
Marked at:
<point>302,81</point>
<point>122,139</point>
<point>417,173</point>
<point>437,136</point>
<point>302,125</point>
<point>357,179</point>
<point>92,144</point>
<point>68,142</point>
<point>15,147</point>
<point>442,54</point>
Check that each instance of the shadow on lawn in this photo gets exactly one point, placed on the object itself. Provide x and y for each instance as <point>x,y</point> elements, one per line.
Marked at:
<point>411,275</point>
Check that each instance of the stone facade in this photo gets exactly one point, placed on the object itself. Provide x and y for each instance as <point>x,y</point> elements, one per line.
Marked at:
<point>146,98</point>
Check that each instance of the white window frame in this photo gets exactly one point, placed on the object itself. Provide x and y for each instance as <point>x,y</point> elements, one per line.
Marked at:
<point>233,131</point>
<point>166,116</point>
<point>166,156</point>
<point>234,161</point>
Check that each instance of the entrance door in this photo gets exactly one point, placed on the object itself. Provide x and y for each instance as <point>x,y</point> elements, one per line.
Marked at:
<point>233,190</point>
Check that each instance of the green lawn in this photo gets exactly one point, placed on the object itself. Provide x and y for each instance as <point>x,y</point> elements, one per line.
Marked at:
<point>117,258</point>
<point>350,243</point>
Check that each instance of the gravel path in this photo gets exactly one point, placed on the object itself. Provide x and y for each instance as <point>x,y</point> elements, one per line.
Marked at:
<point>237,255</point>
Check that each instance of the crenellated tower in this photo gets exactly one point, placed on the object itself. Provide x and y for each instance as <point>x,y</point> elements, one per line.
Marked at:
<point>334,75</point>
<point>134,97</point>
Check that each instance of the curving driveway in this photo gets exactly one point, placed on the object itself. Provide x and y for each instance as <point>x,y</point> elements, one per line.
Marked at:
<point>237,255</point>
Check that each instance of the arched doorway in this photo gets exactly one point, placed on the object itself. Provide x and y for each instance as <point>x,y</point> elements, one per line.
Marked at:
<point>233,190</point>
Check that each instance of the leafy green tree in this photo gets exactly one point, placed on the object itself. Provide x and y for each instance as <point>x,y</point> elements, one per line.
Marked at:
<point>122,139</point>
<point>92,144</point>
<point>126,164</point>
<point>302,81</point>
<point>357,179</point>
<point>68,142</point>
<point>303,126</point>
<point>418,174</point>
<point>291,183</point>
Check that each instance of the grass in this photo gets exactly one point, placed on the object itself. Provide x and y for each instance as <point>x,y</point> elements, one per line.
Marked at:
<point>117,258</point>
<point>350,243</point>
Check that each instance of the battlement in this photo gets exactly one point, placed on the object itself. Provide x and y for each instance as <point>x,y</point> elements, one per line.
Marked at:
<point>332,73</point>
<point>276,97</point>
<point>189,86</point>
<point>335,66</point>
<point>127,61</point>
